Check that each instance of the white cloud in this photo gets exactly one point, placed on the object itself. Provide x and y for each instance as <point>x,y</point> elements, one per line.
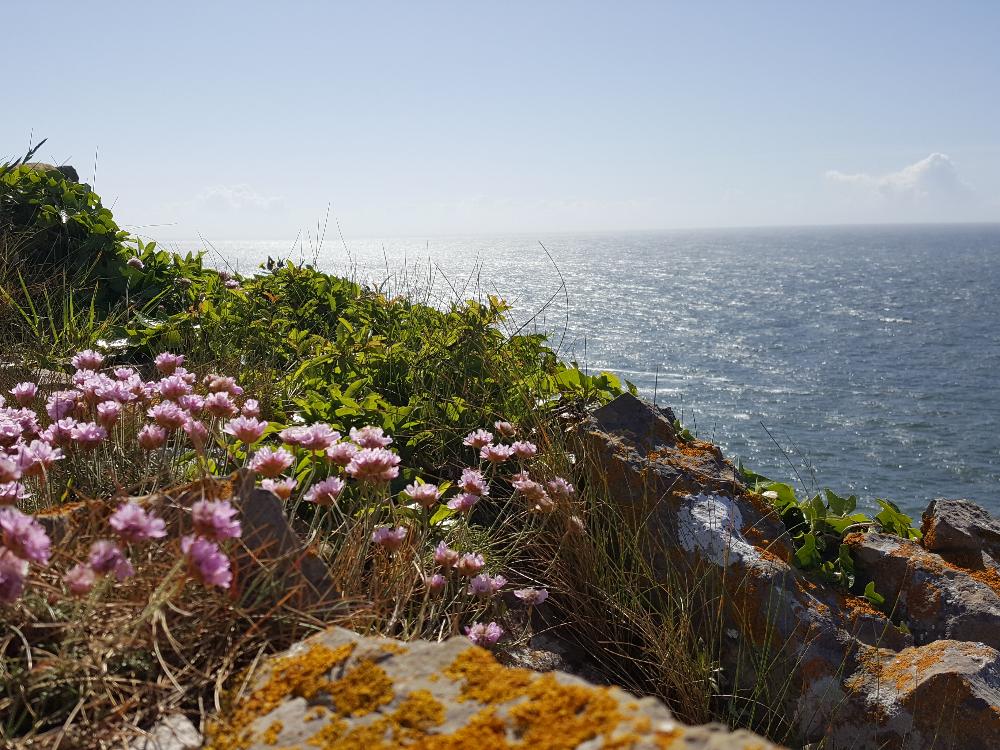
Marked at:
<point>236,198</point>
<point>933,180</point>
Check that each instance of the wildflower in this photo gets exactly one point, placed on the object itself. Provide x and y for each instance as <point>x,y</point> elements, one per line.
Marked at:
<point>166,362</point>
<point>495,454</point>
<point>374,465</point>
<point>10,432</point>
<point>151,437</point>
<point>168,414</point>
<point>173,387</point>
<point>192,403</point>
<point>13,571</point>
<point>445,556</point>
<point>33,459</point>
<point>436,583</point>
<point>24,536</point>
<point>189,377</point>
<point>282,487</point>
<point>270,462</point>
<point>24,393</point>
<point>561,489</point>
<point>470,564</point>
<point>424,495</point>
<point>319,437</point>
<point>134,524</point>
<point>532,597</point>
<point>530,490</point>
<point>59,432</point>
<point>10,471</point>
<point>108,412</point>
<point>135,262</point>
<point>197,432</point>
<point>523,450</point>
<point>474,483</point>
<point>219,383</point>
<point>88,434</point>
<point>575,526</point>
<point>484,635</point>
<point>79,579</point>
<point>11,492</point>
<point>231,284</point>
<point>213,519</point>
<point>251,408</point>
<point>478,439</point>
<point>485,587</point>
<point>341,453</point>
<point>325,492</point>
<point>370,437</point>
<point>106,557</point>
<point>88,359</point>
<point>247,430</point>
<point>506,429</point>
<point>23,418</point>
<point>207,562</point>
<point>220,404</point>
<point>293,435</point>
<point>389,538</point>
<point>463,502</point>
<point>61,404</point>
<point>124,373</point>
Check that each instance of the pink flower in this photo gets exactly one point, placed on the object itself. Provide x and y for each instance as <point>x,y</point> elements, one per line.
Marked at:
<point>478,439</point>
<point>11,492</point>
<point>10,471</point>
<point>532,597</point>
<point>485,587</point>
<point>166,362</point>
<point>151,437</point>
<point>445,556</point>
<point>61,404</point>
<point>124,373</point>
<point>470,564</point>
<point>506,429</point>
<point>108,412</point>
<point>24,393</point>
<point>282,487</point>
<point>251,408</point>
<point>325,492</point>
<point>270,462</point>
<point>10,432</point>
<point>192,403</point>
<point>495,454</point>
<point>59,432</point>
<point>220,404</point>
<point>88,359</point>
<point>79,579</point>
<point>134,524</point>
<point>424,495</point>
<point>106,557</point>
<point>370,437</point>
<point>34,458</point>
<point>88,434</point>
<point>463,502</point>
<point>135,263</point>
<point>189,377</point>
<point>523,450</point>
<point>341,453</point>
<point>173,387</point>
<point>389,538</point>
<point>197,432</point>
<point>560,488</point>
<point>484,635</point>
<point>374,465</point>
<point>319,437</point>
<point>231,284</point>
<point>247,430</point>
<point>206,562</point>
<point>13,571</point>
<point>474,483</point>
<point>219,383</point>
<point>24,536</point>
<point>436,583</point>
<point>213,520</point>
<point>168,414</point>
<point>293,435</point>
<point>531,491</point>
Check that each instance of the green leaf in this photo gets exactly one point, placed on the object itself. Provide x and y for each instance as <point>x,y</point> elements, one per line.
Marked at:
<point>873,596</point>
<point>807,555</point>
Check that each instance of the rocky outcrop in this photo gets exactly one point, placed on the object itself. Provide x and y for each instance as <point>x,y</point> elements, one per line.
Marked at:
<point>65,170</point>
<point>341,690</point>
<point>924,673</point>
<point>960,527</point>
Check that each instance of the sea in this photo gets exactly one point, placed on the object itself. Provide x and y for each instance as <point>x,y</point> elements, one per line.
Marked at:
<point>863,359</point>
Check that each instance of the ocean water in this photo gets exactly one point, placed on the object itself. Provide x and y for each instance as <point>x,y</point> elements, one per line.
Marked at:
<point>870,354</point>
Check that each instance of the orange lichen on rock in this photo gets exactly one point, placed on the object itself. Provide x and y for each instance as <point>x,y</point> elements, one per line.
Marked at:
<point>561,717</point>
<point>271,734</point>
<point>365,688</point>
<point>485,680</point>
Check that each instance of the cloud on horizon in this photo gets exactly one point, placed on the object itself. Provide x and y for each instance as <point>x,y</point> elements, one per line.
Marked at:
<point>933,180</point>
<point>236,198</point>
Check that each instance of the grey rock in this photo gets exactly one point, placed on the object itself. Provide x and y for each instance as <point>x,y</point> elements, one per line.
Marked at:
<point>960,526</point>
<point>65,170</point>
<point>173,732</point>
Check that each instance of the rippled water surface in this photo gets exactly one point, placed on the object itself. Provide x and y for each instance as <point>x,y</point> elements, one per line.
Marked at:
<point>871,354</point>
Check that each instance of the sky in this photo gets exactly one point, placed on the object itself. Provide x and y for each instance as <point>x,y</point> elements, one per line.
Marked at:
<point>252,120</point>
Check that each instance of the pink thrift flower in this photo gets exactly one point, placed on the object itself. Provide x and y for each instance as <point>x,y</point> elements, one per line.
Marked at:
<point>222,383</point>
<point>463,502</point>
<point>10,471</point>
<point>151,437</point>
<point>282,487</point>
<point>80,579</point>
<point>108,413</point>
<point>370,437</point>
<point>59,432</point>
<point>561,489</point>
<point>436,583</point>
<point>319,437</point>
<point>124,373</point>
<point>325,492</point>
<point>484,635</point>
<point>169,415</point>
<point>247,430</point>
<point>530,490</point>
<point>478,439</point>
<point>173,387</point>
<point>24,536</point>
<point>424,495</point>
<point>88,359</point>
<point>135,263</point>
<point>197,432</point>
<point>293,435</point>
<point>206,562</point>
<point>11,492</point>
<point>24,393</point>
<point>250,408</point>
<point>13,572</point>
<point>485,587</point>
<point>506,429</point>
<point>134,524</point>
<point>389,538</point>
<point>374,465</point>
<point>166,362</point>
<point>445,556</point>
<point>88,434</point>
<point>474,482</point>
<point>532,597</point>
<point>341,453</point>
<point>269,462</point>
<point>61,404</point>
<point>470,564</point>
<point>106,557</point>
<point>192,403</point>
<point>220,404</point>
<point>523,450</point>
<point>495,454</point>
<point>213,520</point>
<point>231,284</point>
<point>36,457</point>
<point>190,377</point>
<point>10,432</point>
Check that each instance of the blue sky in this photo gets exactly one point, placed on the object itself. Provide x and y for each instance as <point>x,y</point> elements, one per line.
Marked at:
<point>245,120</point>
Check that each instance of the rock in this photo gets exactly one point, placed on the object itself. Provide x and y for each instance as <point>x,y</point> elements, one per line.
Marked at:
<point>960,526</point>
<point>173,732</point>
<point>339,689</point>
<point>65,170</point>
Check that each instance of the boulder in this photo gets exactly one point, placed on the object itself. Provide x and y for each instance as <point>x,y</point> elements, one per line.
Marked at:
<point>960,526</point>
<point>339,689</point>
<point>173,732</point>
<point>65,170</point>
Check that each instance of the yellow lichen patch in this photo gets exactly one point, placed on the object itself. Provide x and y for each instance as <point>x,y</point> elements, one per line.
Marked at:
<point>365,688</point>
<point>419,711</point>
<point>270,736</point>
<point>561,717</point>
<point>485,731</point>
<point>485,680</point>
<point>391,647</point>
